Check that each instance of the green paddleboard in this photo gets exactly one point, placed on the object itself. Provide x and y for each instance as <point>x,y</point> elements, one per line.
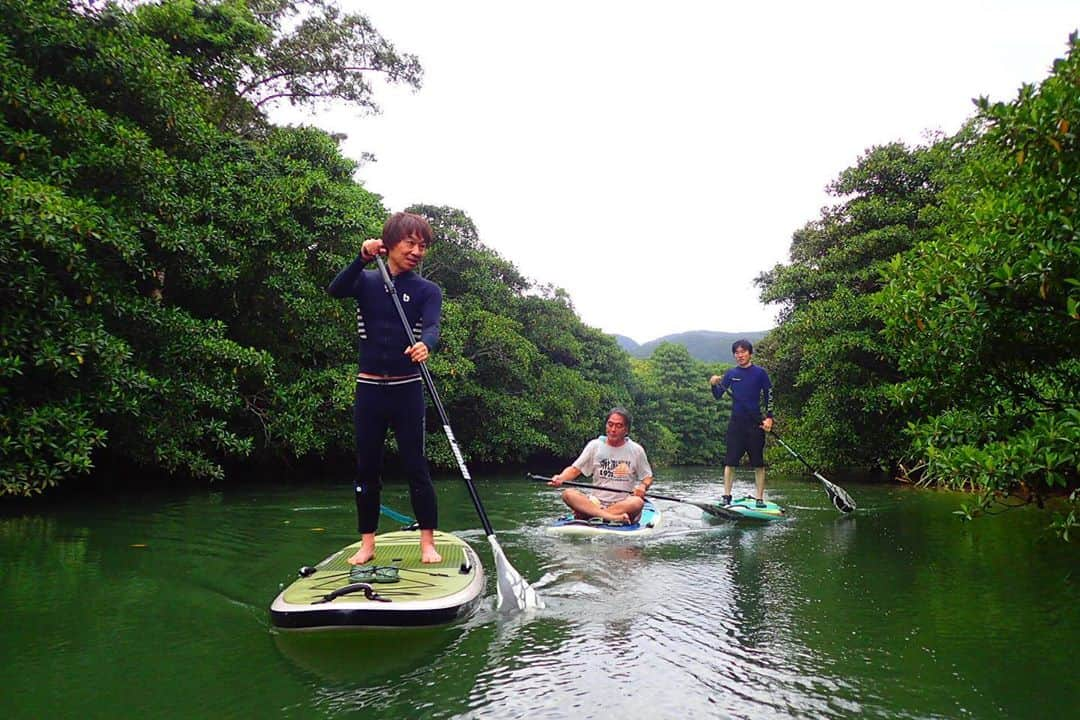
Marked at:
<point>394,590</point>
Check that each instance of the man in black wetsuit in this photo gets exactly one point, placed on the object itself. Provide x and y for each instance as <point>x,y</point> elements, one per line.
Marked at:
<point>389,388</point>
<point>748,385</point>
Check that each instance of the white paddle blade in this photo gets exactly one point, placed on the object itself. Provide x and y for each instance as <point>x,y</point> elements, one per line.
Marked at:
<point>514,593</point>
<point>840,499</point>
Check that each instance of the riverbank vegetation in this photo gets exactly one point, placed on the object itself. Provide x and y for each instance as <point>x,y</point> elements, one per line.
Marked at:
<point>165,249</point>
<point>931,319</point>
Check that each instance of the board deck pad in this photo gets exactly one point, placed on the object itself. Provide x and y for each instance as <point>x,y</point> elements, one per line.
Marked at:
<point>423,593</point>
<point>413,576</point>
<point>746,509</point>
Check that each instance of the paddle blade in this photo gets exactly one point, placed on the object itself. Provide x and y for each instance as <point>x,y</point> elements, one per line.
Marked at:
<point>514,593</point>
<point>840,499</point>
<point>717,510</point>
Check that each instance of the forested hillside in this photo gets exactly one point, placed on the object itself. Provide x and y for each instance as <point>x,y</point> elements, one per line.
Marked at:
<point>165,251</point>
<point>931,319</point>
<point>709,346</point>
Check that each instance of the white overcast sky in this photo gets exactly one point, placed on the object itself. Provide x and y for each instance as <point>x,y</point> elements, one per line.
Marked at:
<point>654,158</point>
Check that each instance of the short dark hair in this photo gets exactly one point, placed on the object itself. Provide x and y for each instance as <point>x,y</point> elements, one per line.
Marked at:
<point>401,225</point>
<point>742,343</point>
<point>620,410</point>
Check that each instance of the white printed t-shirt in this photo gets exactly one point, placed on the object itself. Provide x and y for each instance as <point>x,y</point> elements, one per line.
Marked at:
<point>619,468</point>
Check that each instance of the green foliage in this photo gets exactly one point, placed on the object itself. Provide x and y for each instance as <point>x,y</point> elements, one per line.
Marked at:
<point>1069,522</point>
<point>251,53</point>
<point>930,321</point>
<point>984,315</point>
<point>163,281</point>
<point>988,452</point>
<point>678,421</point>
<point>164,266</point>
<point>830,366</point>
<point>533,380</point>
<point>491,371</point>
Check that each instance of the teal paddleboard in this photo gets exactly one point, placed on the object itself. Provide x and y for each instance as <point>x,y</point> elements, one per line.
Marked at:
<point>649,521</point>
<point>746,509</point>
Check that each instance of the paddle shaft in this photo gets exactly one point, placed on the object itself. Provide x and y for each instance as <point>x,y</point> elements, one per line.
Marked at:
<point>846,502</point>
<point>430,383</point>
<point>704,506</point>
<point>797,456</point>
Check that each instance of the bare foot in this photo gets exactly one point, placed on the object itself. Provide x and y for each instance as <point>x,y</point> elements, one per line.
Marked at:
<point>365,553</point>
<point>362,556</point>
<point>428,554</point>
<point>616,517</point>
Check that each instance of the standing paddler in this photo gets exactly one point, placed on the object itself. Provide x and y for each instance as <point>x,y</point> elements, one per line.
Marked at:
<point>750,388</point>
<point>389,388</point>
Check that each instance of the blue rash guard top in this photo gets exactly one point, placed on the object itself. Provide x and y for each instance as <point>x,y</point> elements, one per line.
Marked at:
<point>747,386</point>
<point>382,339</point>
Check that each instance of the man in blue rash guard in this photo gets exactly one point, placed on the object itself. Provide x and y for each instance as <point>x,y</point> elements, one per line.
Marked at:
<point>748,384</point>
<point>389,389</point>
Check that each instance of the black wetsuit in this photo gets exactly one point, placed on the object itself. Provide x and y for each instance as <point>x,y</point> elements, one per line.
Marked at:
<point>390,403</point>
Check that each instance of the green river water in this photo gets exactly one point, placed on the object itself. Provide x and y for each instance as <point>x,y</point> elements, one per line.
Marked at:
<point>156,607</point>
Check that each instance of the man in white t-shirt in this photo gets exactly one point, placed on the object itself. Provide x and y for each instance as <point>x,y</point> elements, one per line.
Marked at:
<point>613,461</point>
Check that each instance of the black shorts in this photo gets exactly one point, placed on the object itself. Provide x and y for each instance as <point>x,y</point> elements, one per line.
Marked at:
<point>745,435</point>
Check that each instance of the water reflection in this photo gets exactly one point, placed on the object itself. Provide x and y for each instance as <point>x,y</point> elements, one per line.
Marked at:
<point>417,673</point>
<point>368,656</point>
<point>159,608</point>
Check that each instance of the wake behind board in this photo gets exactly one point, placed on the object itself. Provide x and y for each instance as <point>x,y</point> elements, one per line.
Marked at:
<point>340,595</point>
<point>745,509</point>
<point>569,525</point>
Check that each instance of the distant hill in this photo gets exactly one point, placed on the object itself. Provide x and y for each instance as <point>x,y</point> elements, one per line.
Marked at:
<point>705,345</point>
<point>628,344</point>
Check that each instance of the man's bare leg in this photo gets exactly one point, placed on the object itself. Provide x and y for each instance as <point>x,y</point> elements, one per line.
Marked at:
<point>585,507</point>
<point>759,478</point>
<point>428,554</point>
<point>729,479</point>
<point>366,551</point>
